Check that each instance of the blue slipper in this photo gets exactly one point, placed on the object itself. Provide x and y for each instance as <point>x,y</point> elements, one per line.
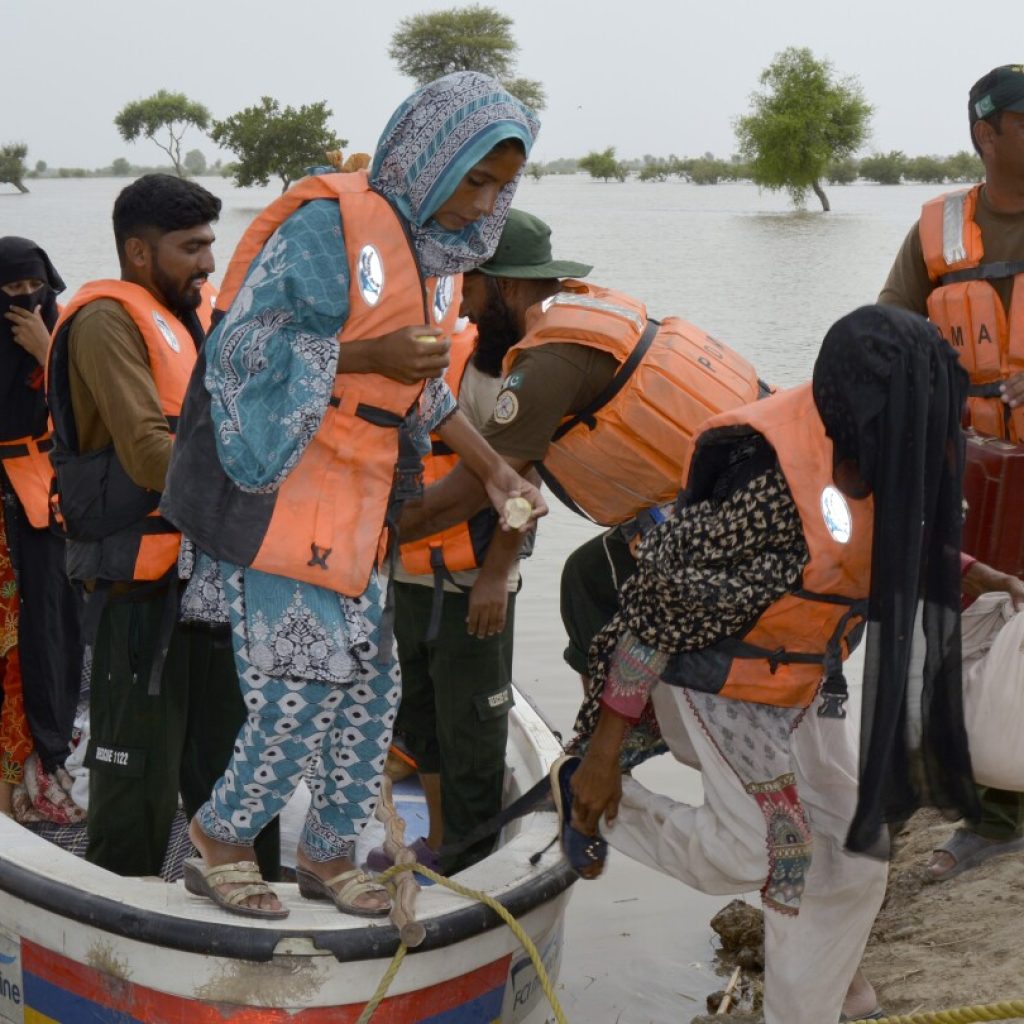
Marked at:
<point>584,853</point>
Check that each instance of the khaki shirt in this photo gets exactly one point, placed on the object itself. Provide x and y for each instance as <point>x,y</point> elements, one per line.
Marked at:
<point>113,394</point>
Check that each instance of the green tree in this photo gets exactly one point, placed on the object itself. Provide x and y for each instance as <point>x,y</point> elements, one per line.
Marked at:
<point>842,172</point>
<point>535,171</point>
<point>170,112</point>
<point>12,164</point>
<point>655,168</point>
<point>603,165</point>
<point>805,120</point>
<point>476,38</point>
<point>120,168</point>
<point>195,162</point>
<point>40,167</point>
<point>885,168</point>
<point>929,169</point>
<point>270,141</point>
<point>964,167</point>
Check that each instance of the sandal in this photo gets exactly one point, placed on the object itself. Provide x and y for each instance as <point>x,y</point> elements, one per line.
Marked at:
<point>203,881</point>
<point>968,849</point>
<point>356,884</point>
<point>584,853</point>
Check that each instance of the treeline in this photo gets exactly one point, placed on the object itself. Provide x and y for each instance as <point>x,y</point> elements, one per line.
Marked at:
<point>195,164</point>
<point>890,168</point>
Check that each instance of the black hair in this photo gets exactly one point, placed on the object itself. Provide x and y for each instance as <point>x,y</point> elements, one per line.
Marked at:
<point>162,202</point>
<point>510,143</point>
<point>996,120</point>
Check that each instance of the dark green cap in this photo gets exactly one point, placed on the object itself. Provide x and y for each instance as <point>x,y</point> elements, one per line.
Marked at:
<point>525,251</point>
<point>1001,89</point>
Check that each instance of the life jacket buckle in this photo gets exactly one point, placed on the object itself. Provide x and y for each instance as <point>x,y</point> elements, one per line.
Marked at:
<point>833,705</point>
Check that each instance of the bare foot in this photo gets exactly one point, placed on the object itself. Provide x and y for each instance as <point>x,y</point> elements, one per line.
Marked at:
<point>861,998</point>
<point>325,870</point>
<point>216,854</point>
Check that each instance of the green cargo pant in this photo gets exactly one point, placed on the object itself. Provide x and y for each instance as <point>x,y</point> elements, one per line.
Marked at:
<point>456,696</point>
<point>145,749</point>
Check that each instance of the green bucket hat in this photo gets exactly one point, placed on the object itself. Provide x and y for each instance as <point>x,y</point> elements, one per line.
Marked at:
<point>524,250</point>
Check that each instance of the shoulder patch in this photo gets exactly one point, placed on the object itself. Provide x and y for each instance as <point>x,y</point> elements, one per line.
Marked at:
<point>506,407</point>
<point>512,382</point>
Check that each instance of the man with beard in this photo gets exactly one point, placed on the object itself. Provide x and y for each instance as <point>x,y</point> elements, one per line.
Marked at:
<point>603,400</point>
<point>164,700</point>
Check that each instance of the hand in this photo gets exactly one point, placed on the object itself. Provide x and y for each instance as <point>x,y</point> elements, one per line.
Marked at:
<point>596,790</point>
<point>983,579</point>
<point>402,356</point>
<point>502,483</point>
<point>1013,390</point>
<point>488,603</point>
<point>29,331</point>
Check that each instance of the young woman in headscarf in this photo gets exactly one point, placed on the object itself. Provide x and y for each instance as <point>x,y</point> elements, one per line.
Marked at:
<point>340,295</point>
<point>807,515</point>
<point>40,610</point>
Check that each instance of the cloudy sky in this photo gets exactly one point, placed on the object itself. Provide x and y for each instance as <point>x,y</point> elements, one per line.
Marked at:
<point>647,76</point>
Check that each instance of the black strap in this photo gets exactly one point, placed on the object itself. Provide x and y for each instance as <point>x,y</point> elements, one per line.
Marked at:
<point>16,451</point>
<point>990,390</point>
<point>556,488</point>
<point>984,272</point>
<point>615,385</point>
<point>523,805</point>
<point>377,416</point>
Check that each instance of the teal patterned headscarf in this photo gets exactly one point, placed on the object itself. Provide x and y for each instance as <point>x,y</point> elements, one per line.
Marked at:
<point>431,142</point>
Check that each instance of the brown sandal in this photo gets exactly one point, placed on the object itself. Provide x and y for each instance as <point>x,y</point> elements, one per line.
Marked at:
<point>203,881</point>
<point>357,884</point>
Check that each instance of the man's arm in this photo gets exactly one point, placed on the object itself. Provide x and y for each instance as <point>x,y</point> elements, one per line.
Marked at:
<point>908,284</point>
<point>488,599</point>
<point>110,359</point>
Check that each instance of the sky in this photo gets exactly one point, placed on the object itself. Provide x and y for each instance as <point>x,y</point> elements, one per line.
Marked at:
<point>645,76</point>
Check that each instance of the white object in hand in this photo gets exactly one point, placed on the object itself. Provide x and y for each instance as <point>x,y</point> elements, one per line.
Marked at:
<point>517,512</point>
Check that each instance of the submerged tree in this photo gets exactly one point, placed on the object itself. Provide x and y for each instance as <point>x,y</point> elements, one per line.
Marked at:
<point>805,121</point>
<point>603,165</point>
<point>170,112</point>
<point>268,140</point>
<point>12,165</point>
<point>476,38</point>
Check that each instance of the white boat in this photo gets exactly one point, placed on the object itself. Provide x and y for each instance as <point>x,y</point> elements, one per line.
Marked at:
<point>79,944</point>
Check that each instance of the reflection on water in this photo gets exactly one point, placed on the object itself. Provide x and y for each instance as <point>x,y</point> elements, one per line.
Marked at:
<point>760,277</point>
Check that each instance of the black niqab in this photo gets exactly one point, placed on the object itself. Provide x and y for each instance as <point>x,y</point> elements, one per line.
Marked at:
<point>22,404</point>
<point>891,392</point>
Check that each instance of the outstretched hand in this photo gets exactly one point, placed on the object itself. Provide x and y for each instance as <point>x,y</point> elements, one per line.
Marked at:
<point>503,484</point>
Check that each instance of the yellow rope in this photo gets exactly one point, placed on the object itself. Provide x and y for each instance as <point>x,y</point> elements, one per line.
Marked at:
<point>385,983</point>
<point>480,897</point>
<point>962,1015</point>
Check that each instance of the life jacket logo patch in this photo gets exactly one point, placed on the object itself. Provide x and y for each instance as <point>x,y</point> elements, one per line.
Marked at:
<point>371,275</point>
<point>836,513</point>
<point>506,407</point>
<point>444,292</point>
<point>165,329</point>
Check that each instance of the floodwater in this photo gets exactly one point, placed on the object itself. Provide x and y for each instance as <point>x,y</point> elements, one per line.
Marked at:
<point>759,276</point>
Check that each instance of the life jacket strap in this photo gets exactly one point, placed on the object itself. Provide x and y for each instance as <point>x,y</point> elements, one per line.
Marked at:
<point>985,272</point>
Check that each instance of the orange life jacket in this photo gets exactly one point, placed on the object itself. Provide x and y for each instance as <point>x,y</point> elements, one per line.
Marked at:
<point>326,524</point>
<point>114,529</point>
<point>26,462</point>
<point>968,310</point>
<point>464,545</point>
<point>803,636</point>
<point>207,305</point>
<point>630,449</point>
